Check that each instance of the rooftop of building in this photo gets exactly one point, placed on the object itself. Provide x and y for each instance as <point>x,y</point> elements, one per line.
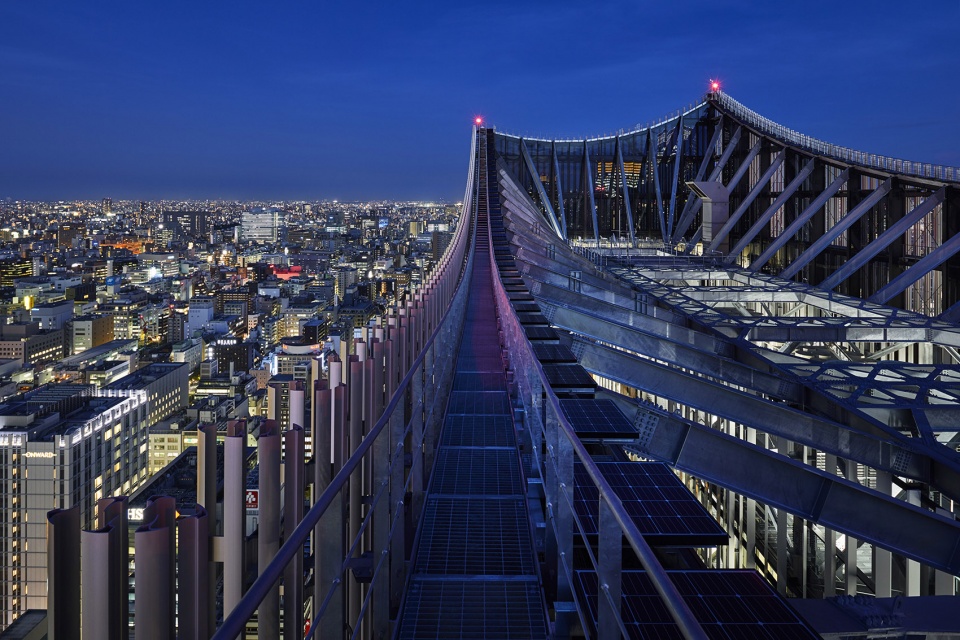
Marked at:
<point>146,375</point>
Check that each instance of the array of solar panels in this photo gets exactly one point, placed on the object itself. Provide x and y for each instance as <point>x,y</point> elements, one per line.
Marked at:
<point>728,604</point>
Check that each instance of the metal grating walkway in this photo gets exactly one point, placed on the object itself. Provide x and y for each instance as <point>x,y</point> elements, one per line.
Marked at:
<point>475,570</point>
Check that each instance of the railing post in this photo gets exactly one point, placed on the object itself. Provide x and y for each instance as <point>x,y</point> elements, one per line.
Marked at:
<point>609,569</point>
<point>380,598</point>
<point>398,509</point>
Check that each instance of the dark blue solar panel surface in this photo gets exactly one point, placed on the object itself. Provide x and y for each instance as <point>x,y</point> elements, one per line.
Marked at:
<point>729,605</point>
<point>593,418</point>
<point>665,512</point>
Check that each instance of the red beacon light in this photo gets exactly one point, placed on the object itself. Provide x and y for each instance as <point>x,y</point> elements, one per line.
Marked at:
<point>714,86</point>
<point>478,120</point>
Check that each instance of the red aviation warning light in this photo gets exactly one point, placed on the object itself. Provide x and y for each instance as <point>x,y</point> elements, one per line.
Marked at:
<point>714,86</point>
<point>478,121</point>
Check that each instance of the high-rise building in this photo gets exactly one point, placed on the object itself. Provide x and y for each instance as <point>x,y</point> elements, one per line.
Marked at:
<point>186,223</point>
<point>106,206</point>
<point>265,226</point>
<point>60,446</point>
<point>13,268</point>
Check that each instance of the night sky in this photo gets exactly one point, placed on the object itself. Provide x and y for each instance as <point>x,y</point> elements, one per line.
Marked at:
<point>371,100</point>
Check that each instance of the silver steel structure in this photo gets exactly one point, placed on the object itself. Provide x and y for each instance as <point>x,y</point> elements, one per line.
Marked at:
<point>774,314</point>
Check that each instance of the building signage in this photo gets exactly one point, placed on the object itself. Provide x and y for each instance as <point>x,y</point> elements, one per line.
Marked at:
<point>253,499</point>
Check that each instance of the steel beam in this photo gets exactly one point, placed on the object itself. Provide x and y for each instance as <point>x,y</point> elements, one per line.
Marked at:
<point>535,177</point>
<point>801,220</point>
<point>768,417</point>
<point>764,219</point>
<point>824,241</point>
<point>652,157</point>
<point>559,189</point>
<point>805,491</point>
<point>626,194</point>
<point>762,183</point>
<point>675,185</point>
<point>653,345</point>
<point>895,231</point>
<point>689,211</point>
<point>925,265</point>
<point>587,185</point>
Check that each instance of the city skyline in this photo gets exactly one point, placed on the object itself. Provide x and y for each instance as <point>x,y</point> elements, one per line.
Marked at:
<point>122,101</point>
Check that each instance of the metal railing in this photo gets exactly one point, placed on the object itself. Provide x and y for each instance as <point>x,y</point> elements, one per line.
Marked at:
<point>846,154</point>
<point>354,591</point>
<point>563,447</point>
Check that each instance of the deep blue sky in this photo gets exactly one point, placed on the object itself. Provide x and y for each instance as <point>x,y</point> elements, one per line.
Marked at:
<point>367,100</point>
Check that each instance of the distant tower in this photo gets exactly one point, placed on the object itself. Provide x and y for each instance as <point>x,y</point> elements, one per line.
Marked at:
<point>143,213</point>
<point>106,206</point>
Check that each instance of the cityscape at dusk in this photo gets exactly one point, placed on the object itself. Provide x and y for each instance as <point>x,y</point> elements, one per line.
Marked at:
<point>310,101</point>
<point>539,320</point>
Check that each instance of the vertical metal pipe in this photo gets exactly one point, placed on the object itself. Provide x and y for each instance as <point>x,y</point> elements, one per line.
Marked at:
<point>112,515</point>
<point>297,405</point>
<point>322,475</point>
<point>193,577</point>
<point>268,527</point>
<point>95,572</point>
<point>63,573</point>
<point>207,496</point>
<point>293,481</point>
<point>234,494</point>
<point>154,548</point>
<point>356,483</point>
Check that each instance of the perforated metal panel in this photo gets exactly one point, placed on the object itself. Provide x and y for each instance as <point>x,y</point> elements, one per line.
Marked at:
<point>478,431</point>
<point>475,537</point>
<point>476,472</point>
<point>482,609</point>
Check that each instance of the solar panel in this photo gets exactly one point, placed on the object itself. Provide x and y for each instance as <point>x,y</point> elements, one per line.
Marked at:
<point>526,307</point>
<point>556,353</point>
<point>478,431</point>
<point>470,536</point>
<point>532,319</point>
<point>541,333</point>
<point>568,376</point>
<point>454,609</point>
<point>664,511</point>
<point>592,418</point>
<point>728,604</point>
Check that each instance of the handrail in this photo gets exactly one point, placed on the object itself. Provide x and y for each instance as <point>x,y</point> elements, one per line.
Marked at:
<point>234,624</point>
<point>679,611</point>
<point>874,161</point>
